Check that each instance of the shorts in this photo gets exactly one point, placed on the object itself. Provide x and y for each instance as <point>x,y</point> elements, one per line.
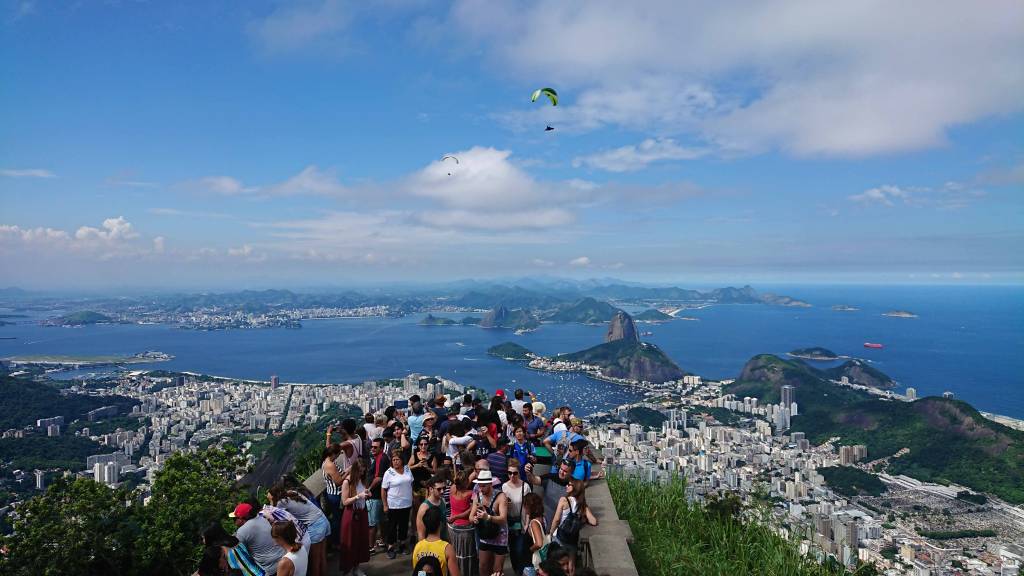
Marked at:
<point>374,512</point>
<point>501,550</point>
<point>318,530</point>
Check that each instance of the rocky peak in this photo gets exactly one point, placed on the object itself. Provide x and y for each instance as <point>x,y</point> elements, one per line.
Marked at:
<point>621,328</point>
<point>495,318</point>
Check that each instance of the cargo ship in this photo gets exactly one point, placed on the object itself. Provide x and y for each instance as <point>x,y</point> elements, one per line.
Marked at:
<point>873,345</point>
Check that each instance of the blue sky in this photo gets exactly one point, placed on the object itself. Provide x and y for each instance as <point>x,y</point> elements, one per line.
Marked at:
<point>217,144</point>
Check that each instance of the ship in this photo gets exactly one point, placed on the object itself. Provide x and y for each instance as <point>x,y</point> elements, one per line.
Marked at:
<point>873,345</point>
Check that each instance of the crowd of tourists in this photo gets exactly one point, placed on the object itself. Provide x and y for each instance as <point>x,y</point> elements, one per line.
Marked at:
<point>457,485</point>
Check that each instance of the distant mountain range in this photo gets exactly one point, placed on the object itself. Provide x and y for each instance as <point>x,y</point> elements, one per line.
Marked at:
<point>948,440</point>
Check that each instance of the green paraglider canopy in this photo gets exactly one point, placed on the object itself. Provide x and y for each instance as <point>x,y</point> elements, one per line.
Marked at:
<point>549,92</point>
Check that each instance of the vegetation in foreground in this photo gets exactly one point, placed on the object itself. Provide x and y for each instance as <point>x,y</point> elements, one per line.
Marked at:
<point>674,537</point>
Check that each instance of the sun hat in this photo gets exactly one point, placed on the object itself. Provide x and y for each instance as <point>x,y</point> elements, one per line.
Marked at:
<point>484,477</point>
<point>539,408</point>
<point>243,510</point>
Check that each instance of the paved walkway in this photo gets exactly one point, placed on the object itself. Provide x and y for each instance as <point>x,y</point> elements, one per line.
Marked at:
<point>380,565</point>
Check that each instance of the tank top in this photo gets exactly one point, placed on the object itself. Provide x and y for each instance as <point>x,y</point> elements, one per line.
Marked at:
<point>460,505</point>
<point>330,488</point>
<point>443,508</point>
<point>427,548</point>
<point>299,559</point>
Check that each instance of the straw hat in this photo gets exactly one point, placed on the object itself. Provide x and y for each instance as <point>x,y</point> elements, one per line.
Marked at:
<point>539,408</point>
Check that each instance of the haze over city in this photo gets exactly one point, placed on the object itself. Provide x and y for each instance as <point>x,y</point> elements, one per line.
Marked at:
<point>265,144</point>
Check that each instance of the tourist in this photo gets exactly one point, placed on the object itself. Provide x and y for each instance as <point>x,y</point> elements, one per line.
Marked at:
<point>333,479</point>
<point>430,434</point>
<point>434,501</point>
<point>439,408</point>
<point>416,415</point>
<point>374,506</point>
<point>518,403</point>
<point>560,560</point>
<point>422,466</point>
<point>515,490</point>
<point>490,514</point>
<point>572,512</point>
<point>370,425</point>
<point>536,535</point>
<point>397,498</point>
<point>559,440</point>
<point>355,541</point>
<point>427,566</point>
<point>582,466</point>
<point>461,530</point>
<point>535,427</point>
<point>254,531</point>
<point>431,544</point>
<point>553,485</point>
<point>497,461</point>
<point>456,440</point>
<point>380,422</point>
<point>295,559</point>
<point>498,407</point>
<point>522,450</point>
<point>316,523</point>
<point>234,553</point>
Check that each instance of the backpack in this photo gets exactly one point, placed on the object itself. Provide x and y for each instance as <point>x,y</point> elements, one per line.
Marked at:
<point>569,529</point>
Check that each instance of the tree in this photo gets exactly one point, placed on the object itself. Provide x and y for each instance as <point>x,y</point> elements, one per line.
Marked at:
<point>76,527</point>
<point>191,492</point>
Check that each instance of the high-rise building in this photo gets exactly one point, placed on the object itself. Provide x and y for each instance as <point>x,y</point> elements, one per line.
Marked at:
<point>97,472</point>
<point>111,473</point>
<point>274,382</point>
<point>947,394</point>
<point>53,430</point>
<point>911,393</point>
<point>788,396</point>
<point>40,480</point>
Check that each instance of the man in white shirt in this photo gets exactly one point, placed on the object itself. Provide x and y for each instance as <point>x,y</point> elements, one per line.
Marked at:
<point>517,404</point>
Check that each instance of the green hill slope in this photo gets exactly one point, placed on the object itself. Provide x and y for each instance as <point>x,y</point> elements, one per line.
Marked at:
<point>586,311</point>
<point>24,402</point>
<point>628,359</point>
<point>948,440</point>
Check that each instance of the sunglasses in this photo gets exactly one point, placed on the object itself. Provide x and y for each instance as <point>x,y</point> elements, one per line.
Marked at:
<point>513,472</point>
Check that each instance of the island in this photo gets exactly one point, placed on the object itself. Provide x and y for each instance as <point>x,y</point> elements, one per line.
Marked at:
<point>900,314</point>
<point>431,320</point>
<point>815,353</point>
<point>502,317</point>
<point>845,308</point>
<point>511,351</point>
<point>622,358</point>
<point>83,318</point>
<point>652,315</point>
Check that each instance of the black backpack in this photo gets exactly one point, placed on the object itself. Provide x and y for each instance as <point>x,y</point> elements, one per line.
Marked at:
<point>569,528</point>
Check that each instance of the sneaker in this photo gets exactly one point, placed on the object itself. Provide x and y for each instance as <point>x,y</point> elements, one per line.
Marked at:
<point>391,554</point>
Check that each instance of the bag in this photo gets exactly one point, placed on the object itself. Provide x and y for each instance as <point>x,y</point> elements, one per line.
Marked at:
<point>568,532</point>
<point>486,529</point>
<point>542,553</point>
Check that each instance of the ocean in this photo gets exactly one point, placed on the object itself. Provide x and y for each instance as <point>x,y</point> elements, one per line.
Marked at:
<point>968,340</point>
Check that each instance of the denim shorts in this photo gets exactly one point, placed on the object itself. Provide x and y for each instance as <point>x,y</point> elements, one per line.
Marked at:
<point>374,511</point>
<point>319,530</point>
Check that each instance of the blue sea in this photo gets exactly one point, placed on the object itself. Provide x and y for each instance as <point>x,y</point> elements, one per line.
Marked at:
<point>968,340</point>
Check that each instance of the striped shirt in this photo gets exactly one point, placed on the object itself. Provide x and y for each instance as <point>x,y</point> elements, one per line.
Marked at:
<point>330,488</point>
<point>240,559</point>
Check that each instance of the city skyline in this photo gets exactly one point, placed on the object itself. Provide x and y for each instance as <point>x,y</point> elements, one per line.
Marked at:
<point>291,145</point>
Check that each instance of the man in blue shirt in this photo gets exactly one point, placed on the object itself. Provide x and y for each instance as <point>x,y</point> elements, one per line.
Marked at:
<point>534,425</point>
<point>558,443</point>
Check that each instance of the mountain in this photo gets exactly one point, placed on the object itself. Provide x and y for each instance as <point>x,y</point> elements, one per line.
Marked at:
<point>26,401</point>
<point>860,372</point>
<point>628,358</point>
<point>728,295</point>
<point>948,440</point>
<point>652,315</point>
<point>514,297</point>
<point>502,317</point>
<point>621,327</point>
<point>510,351</point>
<point>431,320</point>
<point>586,311</point>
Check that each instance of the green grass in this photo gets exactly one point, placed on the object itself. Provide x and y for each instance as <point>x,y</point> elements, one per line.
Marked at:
<point>675,537</point>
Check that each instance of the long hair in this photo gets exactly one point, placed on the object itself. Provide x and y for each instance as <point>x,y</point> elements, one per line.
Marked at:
<point>280,491</point>
<point>579,489</point>
<point>331,452</point>
<point>434,563</point>
<point>285,531</point>
<point>355,474</point>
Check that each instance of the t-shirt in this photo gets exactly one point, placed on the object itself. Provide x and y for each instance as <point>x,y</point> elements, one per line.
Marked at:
<point>534,425</point>
<point>427,548</point>
<point>416,424</point>
<point>515,495</point>
<point>517,405</point>
<point>372,431</point>
<point>522,452</point>
<point>559,425</point>
<point>582,470</point>
<point>399,487</point>
<point>560,435</point>
<point>554,489</point>
<point>498,463</point>
<point>377,468</point>
<point>255,534</point>
<point>456,444</point>
<point>304,511</point>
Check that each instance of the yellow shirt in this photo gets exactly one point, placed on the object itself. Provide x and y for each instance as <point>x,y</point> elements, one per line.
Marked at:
<point>428,548</point>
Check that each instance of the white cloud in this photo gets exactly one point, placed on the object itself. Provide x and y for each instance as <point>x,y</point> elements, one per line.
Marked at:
<point>809,78</point>
<point>9,233</point>
<point>580,262</point>
<point>638,156</point>
<point>886,195</point>
<point>112,230</point>
<point>540,218</point>
<point>159,245</point>
<point>27,173</point>
<point>222,185</point>
<point>311,180</point>
<point>295,25</point>
<point>542,263</point>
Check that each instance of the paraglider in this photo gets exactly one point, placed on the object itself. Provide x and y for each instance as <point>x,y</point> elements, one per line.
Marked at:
<point>549,92</point>
<point>449,159</point>
<point>548,129</point>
